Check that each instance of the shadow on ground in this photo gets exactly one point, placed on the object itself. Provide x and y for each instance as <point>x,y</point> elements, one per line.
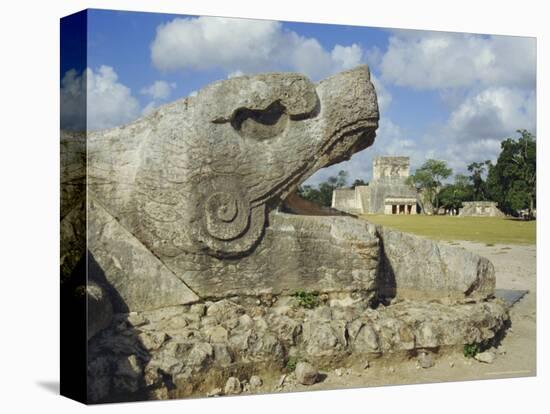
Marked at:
<point>51,386</point>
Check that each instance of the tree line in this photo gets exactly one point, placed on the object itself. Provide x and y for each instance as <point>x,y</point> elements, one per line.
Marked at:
<point>322,194</point>
<point>511,181</point>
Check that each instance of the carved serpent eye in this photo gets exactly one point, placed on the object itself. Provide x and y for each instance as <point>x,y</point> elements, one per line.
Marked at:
<point>260,124</point>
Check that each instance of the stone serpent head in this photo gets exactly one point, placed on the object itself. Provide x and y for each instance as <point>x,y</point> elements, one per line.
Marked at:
<point>209,168</point>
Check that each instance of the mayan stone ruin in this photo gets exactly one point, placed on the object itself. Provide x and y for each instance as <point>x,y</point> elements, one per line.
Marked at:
<point>387,193</point>
<point>197,279</point>
<point>480,209</point>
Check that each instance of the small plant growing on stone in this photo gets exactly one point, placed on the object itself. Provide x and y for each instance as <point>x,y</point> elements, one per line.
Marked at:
<point>291,363</point>
<point>308,300</point>
<point>471,350</point>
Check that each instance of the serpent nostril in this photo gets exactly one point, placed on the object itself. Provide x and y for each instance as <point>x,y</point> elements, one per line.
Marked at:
<point>260,124</point>
<point>267,116</point>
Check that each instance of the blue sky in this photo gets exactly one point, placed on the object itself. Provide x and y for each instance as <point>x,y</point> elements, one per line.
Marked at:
<point>450,96</point>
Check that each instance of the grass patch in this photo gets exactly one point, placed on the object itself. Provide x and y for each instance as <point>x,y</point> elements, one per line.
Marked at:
<point>308,300</point>
<point>471,350</point>
<point>489,230</point>
<point>291,364</point>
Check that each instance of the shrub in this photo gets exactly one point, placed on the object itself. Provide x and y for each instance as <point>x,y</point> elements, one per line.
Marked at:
<point>308,300</point>
<point>470,350</point>
<point>291,364</point>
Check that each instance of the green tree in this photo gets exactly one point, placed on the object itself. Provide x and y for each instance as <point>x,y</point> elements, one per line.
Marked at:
<point>478,169</point>
<point>358,182</point>
<point>428,182</point>
<point>512,181</point>
<point>452,195</point>
<point>338,181</point>
<point>310,193</point>
<point>322,195</point>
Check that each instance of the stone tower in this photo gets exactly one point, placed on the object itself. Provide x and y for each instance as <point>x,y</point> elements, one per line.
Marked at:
<point>390,168</point>
<point>387,193</point>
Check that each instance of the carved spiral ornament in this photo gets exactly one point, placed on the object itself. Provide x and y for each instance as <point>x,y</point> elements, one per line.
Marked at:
<point>231,226</point>
<point>227,215</point>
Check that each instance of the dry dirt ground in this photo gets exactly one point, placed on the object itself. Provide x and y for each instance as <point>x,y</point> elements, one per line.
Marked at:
<point>515,267</point>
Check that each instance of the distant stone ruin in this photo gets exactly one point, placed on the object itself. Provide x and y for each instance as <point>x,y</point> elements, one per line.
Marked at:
<point>480,209</point>
<point>194,274</point>
<point>387,193</point>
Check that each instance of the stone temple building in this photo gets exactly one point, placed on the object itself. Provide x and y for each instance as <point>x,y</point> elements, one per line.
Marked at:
<point>387,193</point>
<point>480,209</point>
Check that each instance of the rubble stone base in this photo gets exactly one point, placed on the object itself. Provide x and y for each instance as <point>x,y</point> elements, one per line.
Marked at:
<point>193,350</point>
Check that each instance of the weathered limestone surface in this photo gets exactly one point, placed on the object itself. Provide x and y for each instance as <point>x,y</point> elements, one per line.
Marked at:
<point>329,254</point>
<point>193,189</point>
<point>182,351</point>
<point>139,278</point>
<point>73,170</point>
<point>388,167</point>
<point>306,373</point>
<point>199,175</point>
<point>73,207</point>
<point>414,267</point>
<point>345,199</point>
<point>480,209</point>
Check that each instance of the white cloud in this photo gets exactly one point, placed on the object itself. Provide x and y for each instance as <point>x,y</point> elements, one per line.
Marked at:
<point>493,113</point>
<point>205,42</point>
<point>373,56</point>
<point>487,82</point>
<point>478,125</point>
<point>436,60</point>
<point>159,89</point>
<point>347,57</point>
<point>150,107</point>
<point>384,96</point>
<point>73,101</point>
<point>244,45</point>
<point>109,102</point>
<point>235,74</point>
